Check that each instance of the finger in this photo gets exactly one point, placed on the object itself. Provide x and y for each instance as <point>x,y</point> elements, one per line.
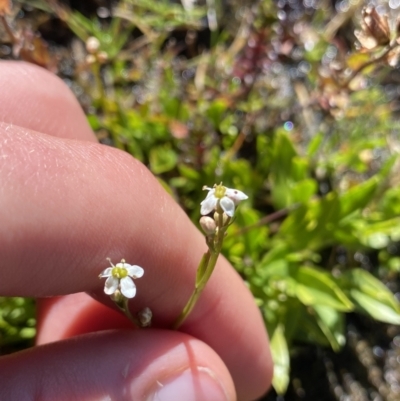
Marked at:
<point>113,207</point>
<point>145,365</point>
<point>65,247</point>
<point>63,317</point>
<point>33,98</point>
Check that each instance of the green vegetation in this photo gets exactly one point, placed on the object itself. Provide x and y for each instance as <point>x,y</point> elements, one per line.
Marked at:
<point>285,110</point>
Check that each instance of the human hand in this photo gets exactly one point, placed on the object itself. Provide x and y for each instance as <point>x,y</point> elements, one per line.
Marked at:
<point>67,203</point>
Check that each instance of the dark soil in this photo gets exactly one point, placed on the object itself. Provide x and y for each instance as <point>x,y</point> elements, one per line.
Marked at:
<point>366,369</point>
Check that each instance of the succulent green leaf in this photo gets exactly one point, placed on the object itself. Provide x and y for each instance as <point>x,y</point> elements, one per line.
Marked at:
<point>162,159</point>
<point>371,296</point>
<point>280,356</point>
<point>331,323</point>
<point>316,287</point>
<point>358,196</point>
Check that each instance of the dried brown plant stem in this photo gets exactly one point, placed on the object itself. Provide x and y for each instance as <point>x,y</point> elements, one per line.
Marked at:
<point>266,220</point>
<point>368,63</point>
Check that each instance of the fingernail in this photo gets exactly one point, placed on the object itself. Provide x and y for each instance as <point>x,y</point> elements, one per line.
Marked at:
<point>191,385</point>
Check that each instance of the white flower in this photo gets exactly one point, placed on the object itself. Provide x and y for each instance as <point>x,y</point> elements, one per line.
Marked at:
<point>226,197</point>
<point>120,277</point>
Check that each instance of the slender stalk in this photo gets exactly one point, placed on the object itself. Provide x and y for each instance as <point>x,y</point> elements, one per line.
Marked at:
<point>99,84</point>
<point>215,229</point>
<point>212,261</point>
<point>267,219</point>
<point>128,312</point>
<point>123,307</point>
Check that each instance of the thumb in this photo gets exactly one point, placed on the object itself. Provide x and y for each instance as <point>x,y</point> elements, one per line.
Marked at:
<point>145,365</point>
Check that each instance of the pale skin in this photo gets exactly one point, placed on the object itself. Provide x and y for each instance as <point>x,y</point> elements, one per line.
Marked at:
<point>68,203</point>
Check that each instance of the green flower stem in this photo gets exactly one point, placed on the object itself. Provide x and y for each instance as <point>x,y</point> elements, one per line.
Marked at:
<point>212,260</point>
<point>204,270</point>
<point>101,95</point>
<point>123,306</point>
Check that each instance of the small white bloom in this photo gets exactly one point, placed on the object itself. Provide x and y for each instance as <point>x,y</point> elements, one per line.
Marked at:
<point>226,197</point>
<point>119,277</point>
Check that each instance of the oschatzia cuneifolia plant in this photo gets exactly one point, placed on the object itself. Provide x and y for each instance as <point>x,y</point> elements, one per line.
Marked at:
<point>221,203</point>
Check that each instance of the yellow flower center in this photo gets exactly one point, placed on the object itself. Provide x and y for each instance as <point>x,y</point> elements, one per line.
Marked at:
<point>119,272</point>
<point>219,191</point>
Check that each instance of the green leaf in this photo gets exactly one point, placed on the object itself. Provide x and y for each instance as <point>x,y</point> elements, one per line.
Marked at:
<point>201,269</point>
<point>316,287</point>
<point>303,190</point>
<point>375,308</point>
<point>390,202</point>
<point>216,111</point>
<point>274,263</point>
<point>312,225</point>
<point>17,320</point>
<point>291,315</point>
<point>378,235</point>
<point>371,296</point>
<point>282,157</point>
<point>188,172</point>
<point>280,356</point>
<point>94,121</point>
<point>179,182</point>
<point>289,175</point>
<point>308,330</point>
<point>253,240</point>
<point>358,196</point>
<point>314,144</point>
<point>331,322</point>
<point>162,159</point>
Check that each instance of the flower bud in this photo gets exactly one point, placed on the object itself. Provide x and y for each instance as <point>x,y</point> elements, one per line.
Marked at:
<point>102,57</point>
<point>208,225</point>
<point>90,59</point>
<point>117,296</point>
<point>92,45</point>
<point>145,316</point>
<point>225,218</point>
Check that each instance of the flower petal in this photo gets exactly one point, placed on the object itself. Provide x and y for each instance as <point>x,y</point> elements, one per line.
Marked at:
<point>208,205</point>
<point>111,285</point>
<point>211,191</point>
<point>106,272</point>
<point>134,271</point>
<point>128,287</point>
<point>235,195</point>
<point>228,206</point>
